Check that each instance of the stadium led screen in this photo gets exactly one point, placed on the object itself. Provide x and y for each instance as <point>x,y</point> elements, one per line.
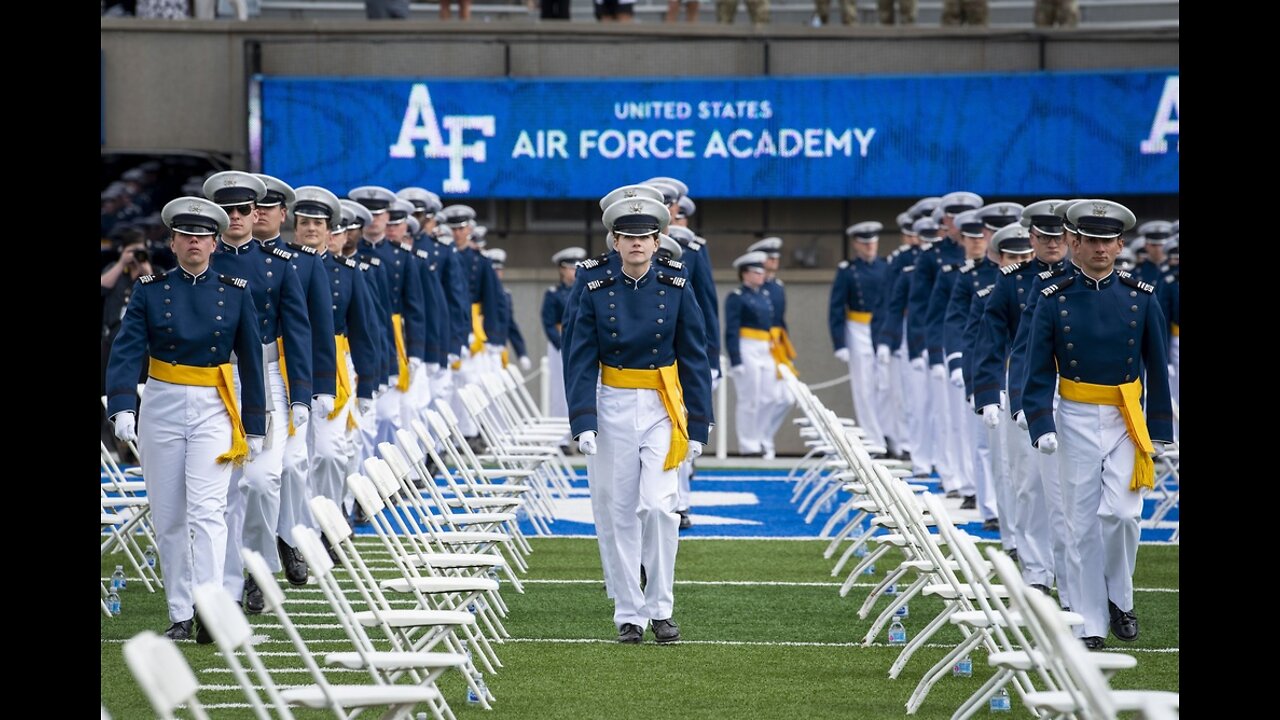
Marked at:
<point>1047,134</point>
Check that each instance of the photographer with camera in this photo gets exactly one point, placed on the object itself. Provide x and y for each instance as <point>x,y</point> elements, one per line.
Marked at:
<point>117,285</point>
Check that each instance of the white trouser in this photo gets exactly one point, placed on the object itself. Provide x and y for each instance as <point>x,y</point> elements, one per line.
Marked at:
<point>862,380</point>
<point>754,385</point>
<point>253,497</point>
<point>333,447</point>
<point>558,406</point>
<point>1175,375</point>
<point>413,404</point>
<point>916,390</point>
<point>934,424</point>
<point>997,467</point>
<point>388,415</point>
<point>979,449</point>
<point>182,429</point>
<point>892,404</point>
<point>600,486</point>
<point>1095,468</point>
<point>295,489</point>
<point>684,474</point>
<point>635,435</point>
<point>956,438</point>
<point>1033,524</point>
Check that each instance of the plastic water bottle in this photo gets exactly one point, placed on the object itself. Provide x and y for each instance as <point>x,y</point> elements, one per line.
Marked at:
<point>150,556</point>
<point>494,576</point>
<point>963,667</point>
<point>897,633</point>
<point>871,570</point>
<point>860,551</point>
<point>472,697</point>
<point>113,602</point>
<point>1000,701</point>
<point>892,589</point>
<point>902,612</point>
<point>117,578</point>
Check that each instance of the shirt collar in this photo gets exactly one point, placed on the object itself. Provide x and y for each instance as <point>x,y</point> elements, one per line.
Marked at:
<point>636,283</point>
<point>185,276</point>
<point>224,246</point>
<point>1095,284</point>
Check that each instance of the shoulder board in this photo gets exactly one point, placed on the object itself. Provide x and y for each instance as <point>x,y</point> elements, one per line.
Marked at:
<point>148,279</point>
<point>302,248</point>
<point>673,264</point>
<point>1046,275</point>
<point>1134,282</point>
<point>422,254</point>
<point>947,268</point>
<point>407,247</point>
<point>777,282</point>
<point>985,291</point>
<point>908,268</point>
<point>1062,284</point>
<point>234,281</point>
<point>842,264</point>
<point>588,264</point>
<point>1170,278</point>
<point>967,266</point>
<point>348,262</point>
<point>694,245</point>
<point>673,280</point>
<point>1010,269</point>
<point>601,283</point>
<point>737,291</point>
<point>375,261</point>
<point>282,253</point>
<point>364,266</point>
<point>551,288</point>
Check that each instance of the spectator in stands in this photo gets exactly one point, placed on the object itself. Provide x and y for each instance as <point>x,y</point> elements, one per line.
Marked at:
<point>727,10</point>
<point>615,10</point>
<point>1057,12</point>
<point>164,9</point>
<point>395,9</point>
<point>690,10</point>
<point>464,9</point>
<point>905,15</point>
<point>964,12</point>
<point>555,9</point>
<point>848,12</point>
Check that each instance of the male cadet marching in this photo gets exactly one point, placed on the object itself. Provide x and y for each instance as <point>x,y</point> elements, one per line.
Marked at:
<point>414,401</point>
<point>316,212</point>
<point>186,323</point>
<point>253,499</point>
<point>643,330</point>
<point>748,316</point>
<point>295,494</point>
<point>921,346</point>
<point>972,242</point>
<point>405,303</point>
<point>497,258</point>
<point>1154,234</point>
<point>484,294</point>
<point>1094,335</point>
<point>1039,530</point>
<point>892,400</point>
<point>599,472</point>
<point>779,402</point>
<point>553,304</point>
<point>978,271</point>
<point>856,293</point>
<point>448,318</point>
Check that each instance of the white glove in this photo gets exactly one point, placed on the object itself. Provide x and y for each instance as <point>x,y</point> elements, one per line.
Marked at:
<point>255,445</point>
<point>918,363</point>
<point>1021,419</point>
<point>300,414</point>
<point>364,405</point>
<point>1162,447</point>
<point>715,376</point>
<point>126,426</point>
<point>695,449</point>
<point>587,442</point>
<point>414,364</point>
<point>322,405</point>
<point>991,416</point>
<point>938,372</point>
<point>454,358</point>
<point>843,354</point>
<point>493,349</point>
<point>526,363</point>
<point>957,378</point>
<point>882,354</point>
<point>382,387</point>
<point>737,371</point>
<point>1048,443</point>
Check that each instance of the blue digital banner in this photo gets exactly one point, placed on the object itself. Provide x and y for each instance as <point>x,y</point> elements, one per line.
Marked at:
<point>1019,134</point>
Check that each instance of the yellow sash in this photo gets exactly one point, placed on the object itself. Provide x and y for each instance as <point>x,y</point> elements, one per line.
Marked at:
<point>782,350</point>
<point>284,375</point>
<point>1175,329</point>
<point>666,380</point>
<point>754,334</point>
<point>505,358</point>
<point>219,377</point>
<point>345,390</point>
<point>477,329</point>
<point>402,358</point>
<point>858,317</point>
<point>1128,397</point>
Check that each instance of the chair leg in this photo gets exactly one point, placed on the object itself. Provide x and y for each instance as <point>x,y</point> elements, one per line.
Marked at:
<point>935,673</point>
<point>919,640</point>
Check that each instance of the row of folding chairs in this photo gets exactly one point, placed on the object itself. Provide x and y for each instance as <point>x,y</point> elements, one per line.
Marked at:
<point>125,524</point>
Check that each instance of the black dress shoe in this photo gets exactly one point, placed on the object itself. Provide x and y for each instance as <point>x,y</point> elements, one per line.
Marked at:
<point>970,502</point>
<point>644,580</point>
<point>179,631</point>
<point>685,522</point>
<point>991,525</point>
<point>324,540</point>
<point>630,634</point>
<point>1124,624</point>
<point>1094,642</point>
<point>1043,588</point>
<point>953,494</point>
<point>1013,555</point>
<point>253,602</point>
<point>202,631</point>
<point>665,631</point>
<point>295,568</point>
<point>357,515</point>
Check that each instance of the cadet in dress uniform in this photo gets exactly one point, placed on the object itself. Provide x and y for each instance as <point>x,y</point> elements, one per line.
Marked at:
<point>1095,335</point>
<point>1039,529</point>
<point>671,249</point>
<point>891,399</point>
<point>748,316</point>
<point>644,331</point>
<point>553,304</point>
<point>497,258</point>
<point>1154,234</point>
<point>484,292</point>
<point>1171,305</point>
<point>687,209</point>
<point>697,262</point>
<point>294,490</point>
<point>186,323</point>
<point>450,320</point>
<point>779,401</point>
<point>253,501</point>
<point>856,293</point>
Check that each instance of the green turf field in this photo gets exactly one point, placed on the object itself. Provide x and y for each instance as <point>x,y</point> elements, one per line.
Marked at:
<point>750,650</point>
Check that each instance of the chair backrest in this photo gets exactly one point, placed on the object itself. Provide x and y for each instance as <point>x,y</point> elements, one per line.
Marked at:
<point>224,620</point>
<point>163,674</point>
<point>377,470</point>
<point>366,494</point>
<point>395,460</point>
<point>1072,657</point>
<point>408,443</point>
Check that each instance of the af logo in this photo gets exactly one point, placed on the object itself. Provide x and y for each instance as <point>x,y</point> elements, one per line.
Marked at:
<point>1165,122</point>
<point>420,125</point>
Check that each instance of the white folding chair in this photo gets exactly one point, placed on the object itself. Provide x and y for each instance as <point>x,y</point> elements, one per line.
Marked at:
<point>162,672</point>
